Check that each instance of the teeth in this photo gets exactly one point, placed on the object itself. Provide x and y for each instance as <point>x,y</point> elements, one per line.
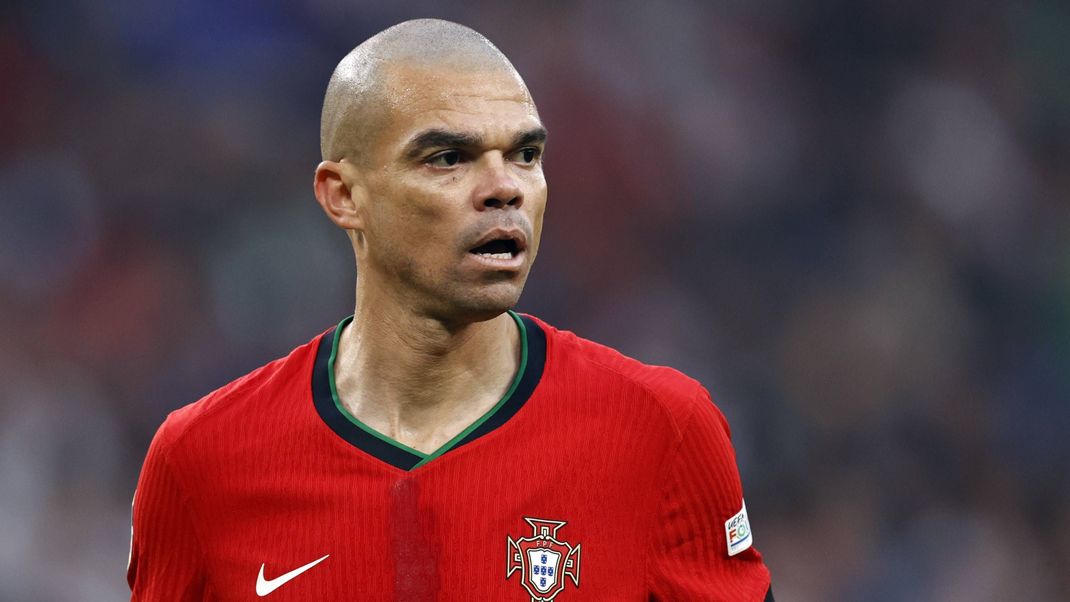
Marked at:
<point>498,255</point>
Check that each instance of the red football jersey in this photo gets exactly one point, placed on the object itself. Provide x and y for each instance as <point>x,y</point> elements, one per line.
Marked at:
<point>595,478</point>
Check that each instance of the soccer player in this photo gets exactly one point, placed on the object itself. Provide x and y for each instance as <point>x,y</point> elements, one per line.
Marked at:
<point>436,445</point>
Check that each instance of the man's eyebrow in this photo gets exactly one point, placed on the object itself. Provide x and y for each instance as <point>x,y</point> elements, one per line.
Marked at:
<point>532,136</point>
<point>436,138</point>
<point>439,138</point>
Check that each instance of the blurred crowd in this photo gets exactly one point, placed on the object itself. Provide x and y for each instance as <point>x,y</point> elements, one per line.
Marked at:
<point>850,220</point>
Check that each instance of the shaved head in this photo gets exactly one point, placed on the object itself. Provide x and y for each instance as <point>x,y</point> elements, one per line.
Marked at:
<point>359,95</point>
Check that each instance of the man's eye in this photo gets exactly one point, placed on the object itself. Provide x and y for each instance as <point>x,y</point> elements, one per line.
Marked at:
<point>528,155</point>
<point>445,159</point>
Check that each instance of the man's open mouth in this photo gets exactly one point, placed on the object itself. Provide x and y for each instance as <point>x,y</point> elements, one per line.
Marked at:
<point>499,248</point>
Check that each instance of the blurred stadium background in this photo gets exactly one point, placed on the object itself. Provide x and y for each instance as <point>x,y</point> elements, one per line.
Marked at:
<point>849,219</point>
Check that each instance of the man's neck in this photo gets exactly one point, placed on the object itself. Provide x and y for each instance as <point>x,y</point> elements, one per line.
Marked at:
<point>418,380</point>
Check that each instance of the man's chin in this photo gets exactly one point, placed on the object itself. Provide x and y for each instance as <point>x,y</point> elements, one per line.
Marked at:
<point>483,305</point>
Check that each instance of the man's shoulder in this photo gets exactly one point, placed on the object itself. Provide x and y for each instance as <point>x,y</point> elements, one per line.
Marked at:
<point>605,367</point>
<point>265,387</point>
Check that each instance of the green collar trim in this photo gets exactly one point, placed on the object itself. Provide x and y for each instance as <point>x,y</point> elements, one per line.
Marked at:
<point>425,458</point>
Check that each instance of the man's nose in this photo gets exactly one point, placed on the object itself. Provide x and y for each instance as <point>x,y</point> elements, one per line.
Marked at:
<point>498,188</point>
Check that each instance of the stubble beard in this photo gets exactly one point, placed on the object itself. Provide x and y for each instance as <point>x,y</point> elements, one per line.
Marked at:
<point>461,302</point>
<point>458,301</point>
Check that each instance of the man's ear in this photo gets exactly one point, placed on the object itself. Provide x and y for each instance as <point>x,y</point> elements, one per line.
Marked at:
<point>340,193</point>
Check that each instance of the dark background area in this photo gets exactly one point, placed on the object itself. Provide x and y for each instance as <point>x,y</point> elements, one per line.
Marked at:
<point>848,219</point>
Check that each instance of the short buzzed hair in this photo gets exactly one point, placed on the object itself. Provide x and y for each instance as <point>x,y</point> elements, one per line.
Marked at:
<point>354,103</point>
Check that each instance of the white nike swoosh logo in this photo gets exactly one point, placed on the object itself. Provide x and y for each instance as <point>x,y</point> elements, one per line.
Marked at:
<point>266,586</point>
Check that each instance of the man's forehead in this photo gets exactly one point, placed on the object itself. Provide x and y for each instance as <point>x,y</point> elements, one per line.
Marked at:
<point>406,84</point>
<point>488,104</point>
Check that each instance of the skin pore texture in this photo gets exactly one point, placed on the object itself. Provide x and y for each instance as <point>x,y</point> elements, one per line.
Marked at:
<point>432,146</point>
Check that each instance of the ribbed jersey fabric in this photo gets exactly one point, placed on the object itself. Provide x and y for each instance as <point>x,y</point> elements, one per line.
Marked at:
<point>607,480</point>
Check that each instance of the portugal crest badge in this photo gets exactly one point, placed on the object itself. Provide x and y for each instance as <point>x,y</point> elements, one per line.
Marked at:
<point>543,560</point>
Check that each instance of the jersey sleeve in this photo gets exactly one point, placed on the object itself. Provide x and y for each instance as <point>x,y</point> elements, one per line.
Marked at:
<point>703,547</point>
<point>166,561</point>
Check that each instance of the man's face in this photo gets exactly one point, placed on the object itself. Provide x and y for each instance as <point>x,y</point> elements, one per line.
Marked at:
<point>456,193</point>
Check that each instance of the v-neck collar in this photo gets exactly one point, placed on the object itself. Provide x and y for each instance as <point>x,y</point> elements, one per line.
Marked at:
<point>397,454</point>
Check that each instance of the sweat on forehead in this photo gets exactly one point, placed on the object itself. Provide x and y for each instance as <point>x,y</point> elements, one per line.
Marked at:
<point>352,106</point>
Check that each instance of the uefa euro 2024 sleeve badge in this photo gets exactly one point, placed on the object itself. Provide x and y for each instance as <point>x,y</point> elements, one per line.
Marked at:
<point>543,560</point>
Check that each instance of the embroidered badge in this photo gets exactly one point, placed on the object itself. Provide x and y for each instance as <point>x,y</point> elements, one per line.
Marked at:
<point>737,532</point>
<point>543,560</point>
